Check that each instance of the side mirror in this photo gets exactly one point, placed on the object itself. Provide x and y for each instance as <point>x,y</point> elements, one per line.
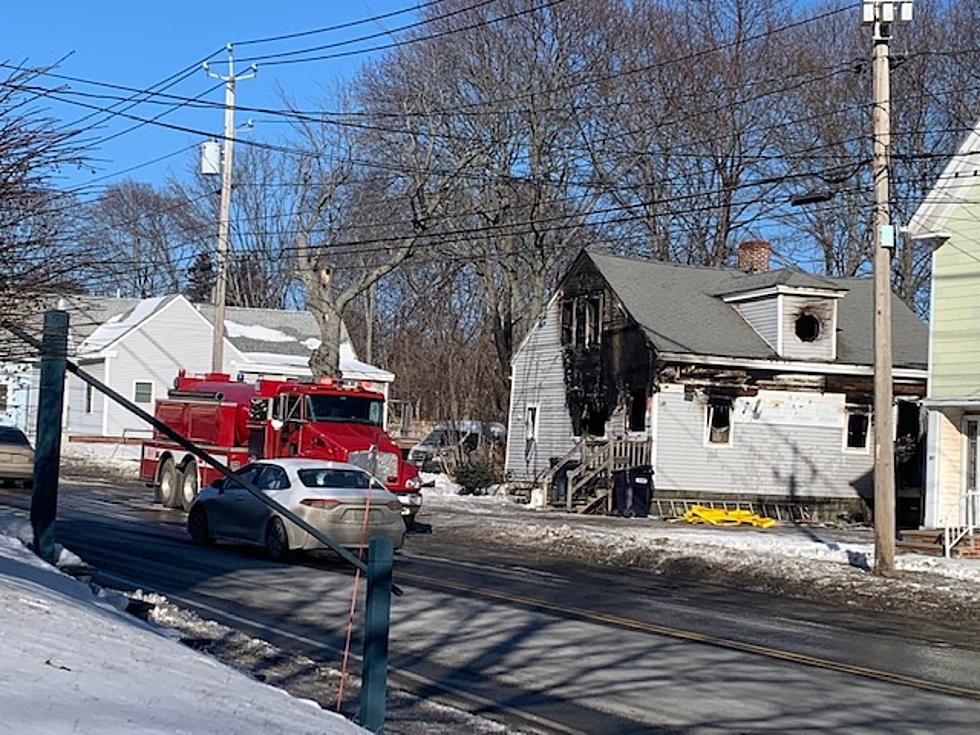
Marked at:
<point>219,484</point>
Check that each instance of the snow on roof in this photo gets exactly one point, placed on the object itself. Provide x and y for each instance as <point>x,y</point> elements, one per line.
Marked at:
<point>104,667</point>
<point>950,190</point>
<point>119,324</point>
<point>350,366</point>
<point>257,332</point>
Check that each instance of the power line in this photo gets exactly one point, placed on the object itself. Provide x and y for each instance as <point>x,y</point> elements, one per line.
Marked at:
<point>339,26</point>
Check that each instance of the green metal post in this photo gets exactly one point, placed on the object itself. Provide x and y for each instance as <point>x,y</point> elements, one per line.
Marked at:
<point>47,449</point>
<point>377,609</point>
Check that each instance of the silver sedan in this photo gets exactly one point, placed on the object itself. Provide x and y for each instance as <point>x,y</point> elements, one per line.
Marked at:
<point>341,500</point>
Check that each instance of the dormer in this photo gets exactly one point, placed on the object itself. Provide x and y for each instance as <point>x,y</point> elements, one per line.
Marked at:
<point>794,312</point>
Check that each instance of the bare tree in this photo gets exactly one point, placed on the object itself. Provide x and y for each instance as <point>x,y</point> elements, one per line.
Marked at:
<point>39,258</point>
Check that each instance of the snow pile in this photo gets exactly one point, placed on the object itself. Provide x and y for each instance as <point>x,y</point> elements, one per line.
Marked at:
<point>102,459</point>
<point>445,492</point>
<point>70,661</point>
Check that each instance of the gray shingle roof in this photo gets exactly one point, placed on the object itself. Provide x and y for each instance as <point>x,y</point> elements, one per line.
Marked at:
<point>267,330</point>
<point>680,309</point>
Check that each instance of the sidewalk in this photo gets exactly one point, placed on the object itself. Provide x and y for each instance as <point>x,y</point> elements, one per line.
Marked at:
<point>71,661</point>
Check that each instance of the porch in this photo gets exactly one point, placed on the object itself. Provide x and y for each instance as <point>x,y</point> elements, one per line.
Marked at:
<point>582,480</point>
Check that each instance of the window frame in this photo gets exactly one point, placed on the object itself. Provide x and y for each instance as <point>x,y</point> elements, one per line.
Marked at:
<point>89,396</point>
<point>709,407</point>
<point>153,390</point>
<point>852,409</point>
<point>531,427</point>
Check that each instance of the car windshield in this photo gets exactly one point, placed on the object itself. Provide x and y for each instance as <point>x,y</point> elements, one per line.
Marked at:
<point>348,479</point>
<point>10,435</point>
<point>344,408</point>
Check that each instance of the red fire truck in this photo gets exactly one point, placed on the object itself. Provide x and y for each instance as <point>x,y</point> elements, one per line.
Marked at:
<point>239,422</point>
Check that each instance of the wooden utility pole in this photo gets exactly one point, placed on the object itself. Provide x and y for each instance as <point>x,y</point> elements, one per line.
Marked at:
<point>224,214</point>
<point>881,15</point>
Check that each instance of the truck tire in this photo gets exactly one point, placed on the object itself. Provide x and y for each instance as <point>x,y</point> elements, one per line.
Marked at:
<point>168,483</point>
<point>188,485</point>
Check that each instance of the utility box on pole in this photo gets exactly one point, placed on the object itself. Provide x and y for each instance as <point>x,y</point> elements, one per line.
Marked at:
<point>211,158</point>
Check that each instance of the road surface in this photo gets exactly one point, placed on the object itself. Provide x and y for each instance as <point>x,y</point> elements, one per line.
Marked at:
<point>548,645</point>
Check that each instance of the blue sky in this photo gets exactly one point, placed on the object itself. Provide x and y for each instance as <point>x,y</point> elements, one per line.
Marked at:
<point>140,43</point>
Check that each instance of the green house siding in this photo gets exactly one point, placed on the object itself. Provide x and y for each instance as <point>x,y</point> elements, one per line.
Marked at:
<point>955,323</point>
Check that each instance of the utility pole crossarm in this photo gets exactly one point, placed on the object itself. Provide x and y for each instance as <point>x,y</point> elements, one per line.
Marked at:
<point>224,214</point>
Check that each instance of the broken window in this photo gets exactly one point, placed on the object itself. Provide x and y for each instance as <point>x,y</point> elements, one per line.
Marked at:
<point>718,426</point>
<point>807,327</point>
<point>567,321</point>
<point>637,417</point>
<point>593,313</point>
<point>581,320</point>
<point>858,427</point>
<point>595,419</point>
<point>531,423</point>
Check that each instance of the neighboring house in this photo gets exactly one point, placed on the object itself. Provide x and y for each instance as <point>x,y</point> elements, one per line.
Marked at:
<point>19,379</point>
<point>730,384</point>
<point>949,220</point>
<point>137,347</point>
<point>138,353</point>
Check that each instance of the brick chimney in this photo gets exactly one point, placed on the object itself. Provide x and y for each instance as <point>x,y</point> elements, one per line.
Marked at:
<point>753,256</point>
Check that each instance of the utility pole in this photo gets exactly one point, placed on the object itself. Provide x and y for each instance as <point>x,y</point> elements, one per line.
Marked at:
<point>224,214</point>
<point>881,15</point>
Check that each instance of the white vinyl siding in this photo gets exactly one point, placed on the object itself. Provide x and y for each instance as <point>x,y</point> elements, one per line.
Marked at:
<point>764,458</point>
<point>173,338</point>
<point>763,316</point>
<point>538,381</point>
<point>78,420</point>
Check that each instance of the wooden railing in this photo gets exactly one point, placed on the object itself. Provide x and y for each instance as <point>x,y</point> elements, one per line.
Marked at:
<point>599,459</point>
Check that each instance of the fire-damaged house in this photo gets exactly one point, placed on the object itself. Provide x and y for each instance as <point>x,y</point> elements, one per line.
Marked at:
<point>743,384</point>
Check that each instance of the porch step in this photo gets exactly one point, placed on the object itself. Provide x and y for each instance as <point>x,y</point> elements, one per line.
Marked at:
<point>929,541</point>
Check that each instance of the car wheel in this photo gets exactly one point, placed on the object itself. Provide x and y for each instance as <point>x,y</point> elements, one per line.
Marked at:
<point>169,478</point>
<point>188,486</point>
<point>276,540</point>
<point>198,527</point>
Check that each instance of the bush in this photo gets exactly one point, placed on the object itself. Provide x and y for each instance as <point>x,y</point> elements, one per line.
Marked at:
<point>475,476</point>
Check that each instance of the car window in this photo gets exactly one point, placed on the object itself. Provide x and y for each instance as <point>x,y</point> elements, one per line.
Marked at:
<point>326,477</point>
<point>248,474</point>
<point>272,478</point>
<point>11,435</point>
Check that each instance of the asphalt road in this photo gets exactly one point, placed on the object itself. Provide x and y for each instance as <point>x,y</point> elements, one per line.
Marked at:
<point>549,645</point>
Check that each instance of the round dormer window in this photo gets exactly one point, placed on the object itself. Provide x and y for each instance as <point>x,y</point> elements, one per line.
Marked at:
<point>807,327</point>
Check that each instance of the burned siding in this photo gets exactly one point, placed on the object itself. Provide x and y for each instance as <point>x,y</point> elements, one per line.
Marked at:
<point>607,366</point>
<point>764,458</point>
<point>538,381</point>
<point>801,313</point>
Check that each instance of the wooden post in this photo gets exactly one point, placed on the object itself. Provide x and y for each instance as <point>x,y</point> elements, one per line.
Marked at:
<point>47,456</point>
<point>377,610</point>
<point>884,443</point>
<point>610,481</point>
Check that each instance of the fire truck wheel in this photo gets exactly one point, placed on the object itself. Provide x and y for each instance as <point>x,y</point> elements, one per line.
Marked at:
<point>188,485</point>
<point>169,477</point>
<point>197,527</point>
<point>276,540</point>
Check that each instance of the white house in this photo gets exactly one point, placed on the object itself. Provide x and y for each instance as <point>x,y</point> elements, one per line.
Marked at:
<point>137,347</point>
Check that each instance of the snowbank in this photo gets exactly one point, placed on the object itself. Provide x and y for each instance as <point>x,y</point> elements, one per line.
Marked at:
<point>70,661</point>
